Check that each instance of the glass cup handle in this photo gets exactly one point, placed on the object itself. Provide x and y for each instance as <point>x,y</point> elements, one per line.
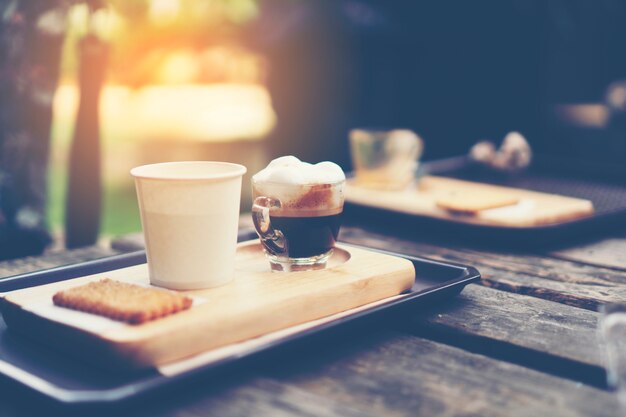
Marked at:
<point>272,238</point>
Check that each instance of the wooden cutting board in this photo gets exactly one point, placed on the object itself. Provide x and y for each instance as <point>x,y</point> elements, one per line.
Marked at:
<point>513,207</point>
<point>256,303</point>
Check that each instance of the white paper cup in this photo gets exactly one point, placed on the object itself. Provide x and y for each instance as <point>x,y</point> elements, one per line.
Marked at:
<point>190,215</point>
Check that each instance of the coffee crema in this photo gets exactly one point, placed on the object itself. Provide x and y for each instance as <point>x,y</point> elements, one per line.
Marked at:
<point>303,189</point>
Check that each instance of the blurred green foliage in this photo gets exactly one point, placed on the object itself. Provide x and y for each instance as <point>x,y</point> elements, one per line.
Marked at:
<point>120,214</point>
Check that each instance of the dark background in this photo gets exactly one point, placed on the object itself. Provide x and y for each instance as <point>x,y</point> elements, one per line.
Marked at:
<point>454,71</point>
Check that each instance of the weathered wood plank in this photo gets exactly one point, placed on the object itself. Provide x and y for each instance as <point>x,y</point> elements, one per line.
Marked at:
<point>585,288</point>
<point>578,295</point>
<point>541,334</point>
<point>521,262</point>
<point>608,252</point>
<point>400,375</point>
<point>550,268</point>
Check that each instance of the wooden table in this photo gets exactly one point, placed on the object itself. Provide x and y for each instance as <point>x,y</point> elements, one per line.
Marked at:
<point>522,343</point>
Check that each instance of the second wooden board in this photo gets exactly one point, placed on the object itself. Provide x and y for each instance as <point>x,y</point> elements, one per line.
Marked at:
<point>485,204</point>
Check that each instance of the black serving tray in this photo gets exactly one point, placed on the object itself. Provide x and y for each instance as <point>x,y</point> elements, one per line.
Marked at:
<point>69,381</point>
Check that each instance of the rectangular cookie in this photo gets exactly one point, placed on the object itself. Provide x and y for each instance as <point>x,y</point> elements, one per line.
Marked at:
<point>121,301</point>
<point>473,203</point>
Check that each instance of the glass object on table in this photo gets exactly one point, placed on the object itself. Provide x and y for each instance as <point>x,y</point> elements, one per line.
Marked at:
<point>612,334</point>
<point>385,159</point>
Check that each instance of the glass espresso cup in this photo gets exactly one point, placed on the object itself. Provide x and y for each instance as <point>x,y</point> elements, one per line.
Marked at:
<point>297,224</point>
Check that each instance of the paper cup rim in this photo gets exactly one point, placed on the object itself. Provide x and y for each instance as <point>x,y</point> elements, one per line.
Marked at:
<point>145,171</point>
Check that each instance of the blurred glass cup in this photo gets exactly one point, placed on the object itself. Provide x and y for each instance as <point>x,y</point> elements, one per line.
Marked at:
<point>385,159</point>
<point>612,332</point>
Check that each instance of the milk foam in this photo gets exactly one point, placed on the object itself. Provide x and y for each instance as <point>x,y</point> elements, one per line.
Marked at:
<point>303,189</point>
<point>290,170</point>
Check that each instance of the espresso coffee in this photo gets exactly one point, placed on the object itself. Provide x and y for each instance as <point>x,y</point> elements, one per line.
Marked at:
<point>308,236</point>
<point>297,210</point>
